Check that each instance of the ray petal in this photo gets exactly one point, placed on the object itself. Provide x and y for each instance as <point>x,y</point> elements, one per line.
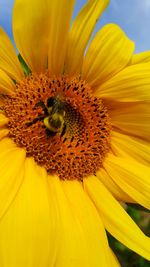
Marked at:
<point>80,34</point>
<point>3,120</point>
<point>59,23</point>
<point>30,28</point>
<point>142,57</point>
<point>115,219</point>
<point>76,239</point>
<point>127,146</point>
<point>131,176</point>
<point>132,119</point>
<point>130,84</point>
<point>109,52</point>
<point>12,163</point>
<point>112,186</point>
<point>114,260</point>
<point>3,133</point>
<point>84,212</point>
<point>8,59</point>
<point>7,86</point>
<point>27,231</point>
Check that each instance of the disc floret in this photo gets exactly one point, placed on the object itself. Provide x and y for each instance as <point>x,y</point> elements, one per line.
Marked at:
<point>60,124</point>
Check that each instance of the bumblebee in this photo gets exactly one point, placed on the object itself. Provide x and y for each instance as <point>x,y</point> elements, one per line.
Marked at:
<point>54,114</point>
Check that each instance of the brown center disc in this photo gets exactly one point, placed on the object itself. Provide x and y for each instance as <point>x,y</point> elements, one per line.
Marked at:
<point>72,151</point>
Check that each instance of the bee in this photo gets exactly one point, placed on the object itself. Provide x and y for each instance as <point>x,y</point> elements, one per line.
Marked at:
<point>54,114</point>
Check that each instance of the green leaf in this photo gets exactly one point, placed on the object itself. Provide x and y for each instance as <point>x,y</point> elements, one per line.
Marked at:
<point>25,67</point>
<point>137,207</point>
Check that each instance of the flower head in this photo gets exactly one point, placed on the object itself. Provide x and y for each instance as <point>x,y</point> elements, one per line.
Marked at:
<point>74,135</point>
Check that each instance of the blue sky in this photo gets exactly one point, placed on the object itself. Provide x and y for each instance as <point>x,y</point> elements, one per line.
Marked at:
<point>133,16</point>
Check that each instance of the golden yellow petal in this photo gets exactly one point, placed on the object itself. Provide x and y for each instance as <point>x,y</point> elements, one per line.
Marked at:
<point>130,84</point>
<point>132,177</point>
<point>113,187</point>
<point>114,260</point>
<point>8,59</point>
<point>11,165</point>
<point>85,214</point>
<point>59,23</point>
<point>3,120</point>
<point>109,52</point>
<point>127,146</point>
<point>132,119</point>
<point>115,218</point>
<point>7,143</point>
<point>75,235</point>
<point>72,245</point>
<point>28,230</point>
<point>7,86</point>
<point>80,34</point>
<point>30,28</point>
<point>3,133</point>
<point>142,57</point>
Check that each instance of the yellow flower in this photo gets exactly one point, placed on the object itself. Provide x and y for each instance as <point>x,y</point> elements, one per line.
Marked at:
<point>66,163</point>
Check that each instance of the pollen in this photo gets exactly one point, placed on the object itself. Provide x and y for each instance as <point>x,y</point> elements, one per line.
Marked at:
<point>79,148</point>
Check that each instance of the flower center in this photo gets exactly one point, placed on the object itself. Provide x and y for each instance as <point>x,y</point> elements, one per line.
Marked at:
<point>60,124</point>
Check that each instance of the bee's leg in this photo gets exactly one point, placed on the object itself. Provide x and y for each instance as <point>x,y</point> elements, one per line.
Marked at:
<point>49,133</point>
<point>42,105</point>
<point>63,131</point>
<point>40,118</point>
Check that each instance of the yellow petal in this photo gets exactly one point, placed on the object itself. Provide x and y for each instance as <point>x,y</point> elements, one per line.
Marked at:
<point>132,119</point>
<point>80,33</point>
<point>7,86</point>
<point>114,260</point>
<point>86,216</point>
<point>130,84</point>
<point>115,219</point>
<point>3,120</point>
<point>76,239</point>
<point>8,58</point>
<point>109,52</point>
<point>3,133</point>
<point>131,176</point>
<point>72,245</point>
<point>30,28</point>
<point>59,23</point>
<point>142,57</point>
<point>11,164</point>
<point>127,146</point>
<point>27,230</point>
<point>115,190</point>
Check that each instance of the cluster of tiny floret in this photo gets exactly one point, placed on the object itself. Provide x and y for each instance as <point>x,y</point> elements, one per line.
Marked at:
<point>86,141</point>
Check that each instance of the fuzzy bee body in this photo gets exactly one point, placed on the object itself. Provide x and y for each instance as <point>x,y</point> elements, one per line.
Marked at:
<point>54,122</point>
<point>54,114</point>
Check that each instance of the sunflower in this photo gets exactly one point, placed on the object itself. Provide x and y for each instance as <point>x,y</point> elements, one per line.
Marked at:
<point>74,136</point>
